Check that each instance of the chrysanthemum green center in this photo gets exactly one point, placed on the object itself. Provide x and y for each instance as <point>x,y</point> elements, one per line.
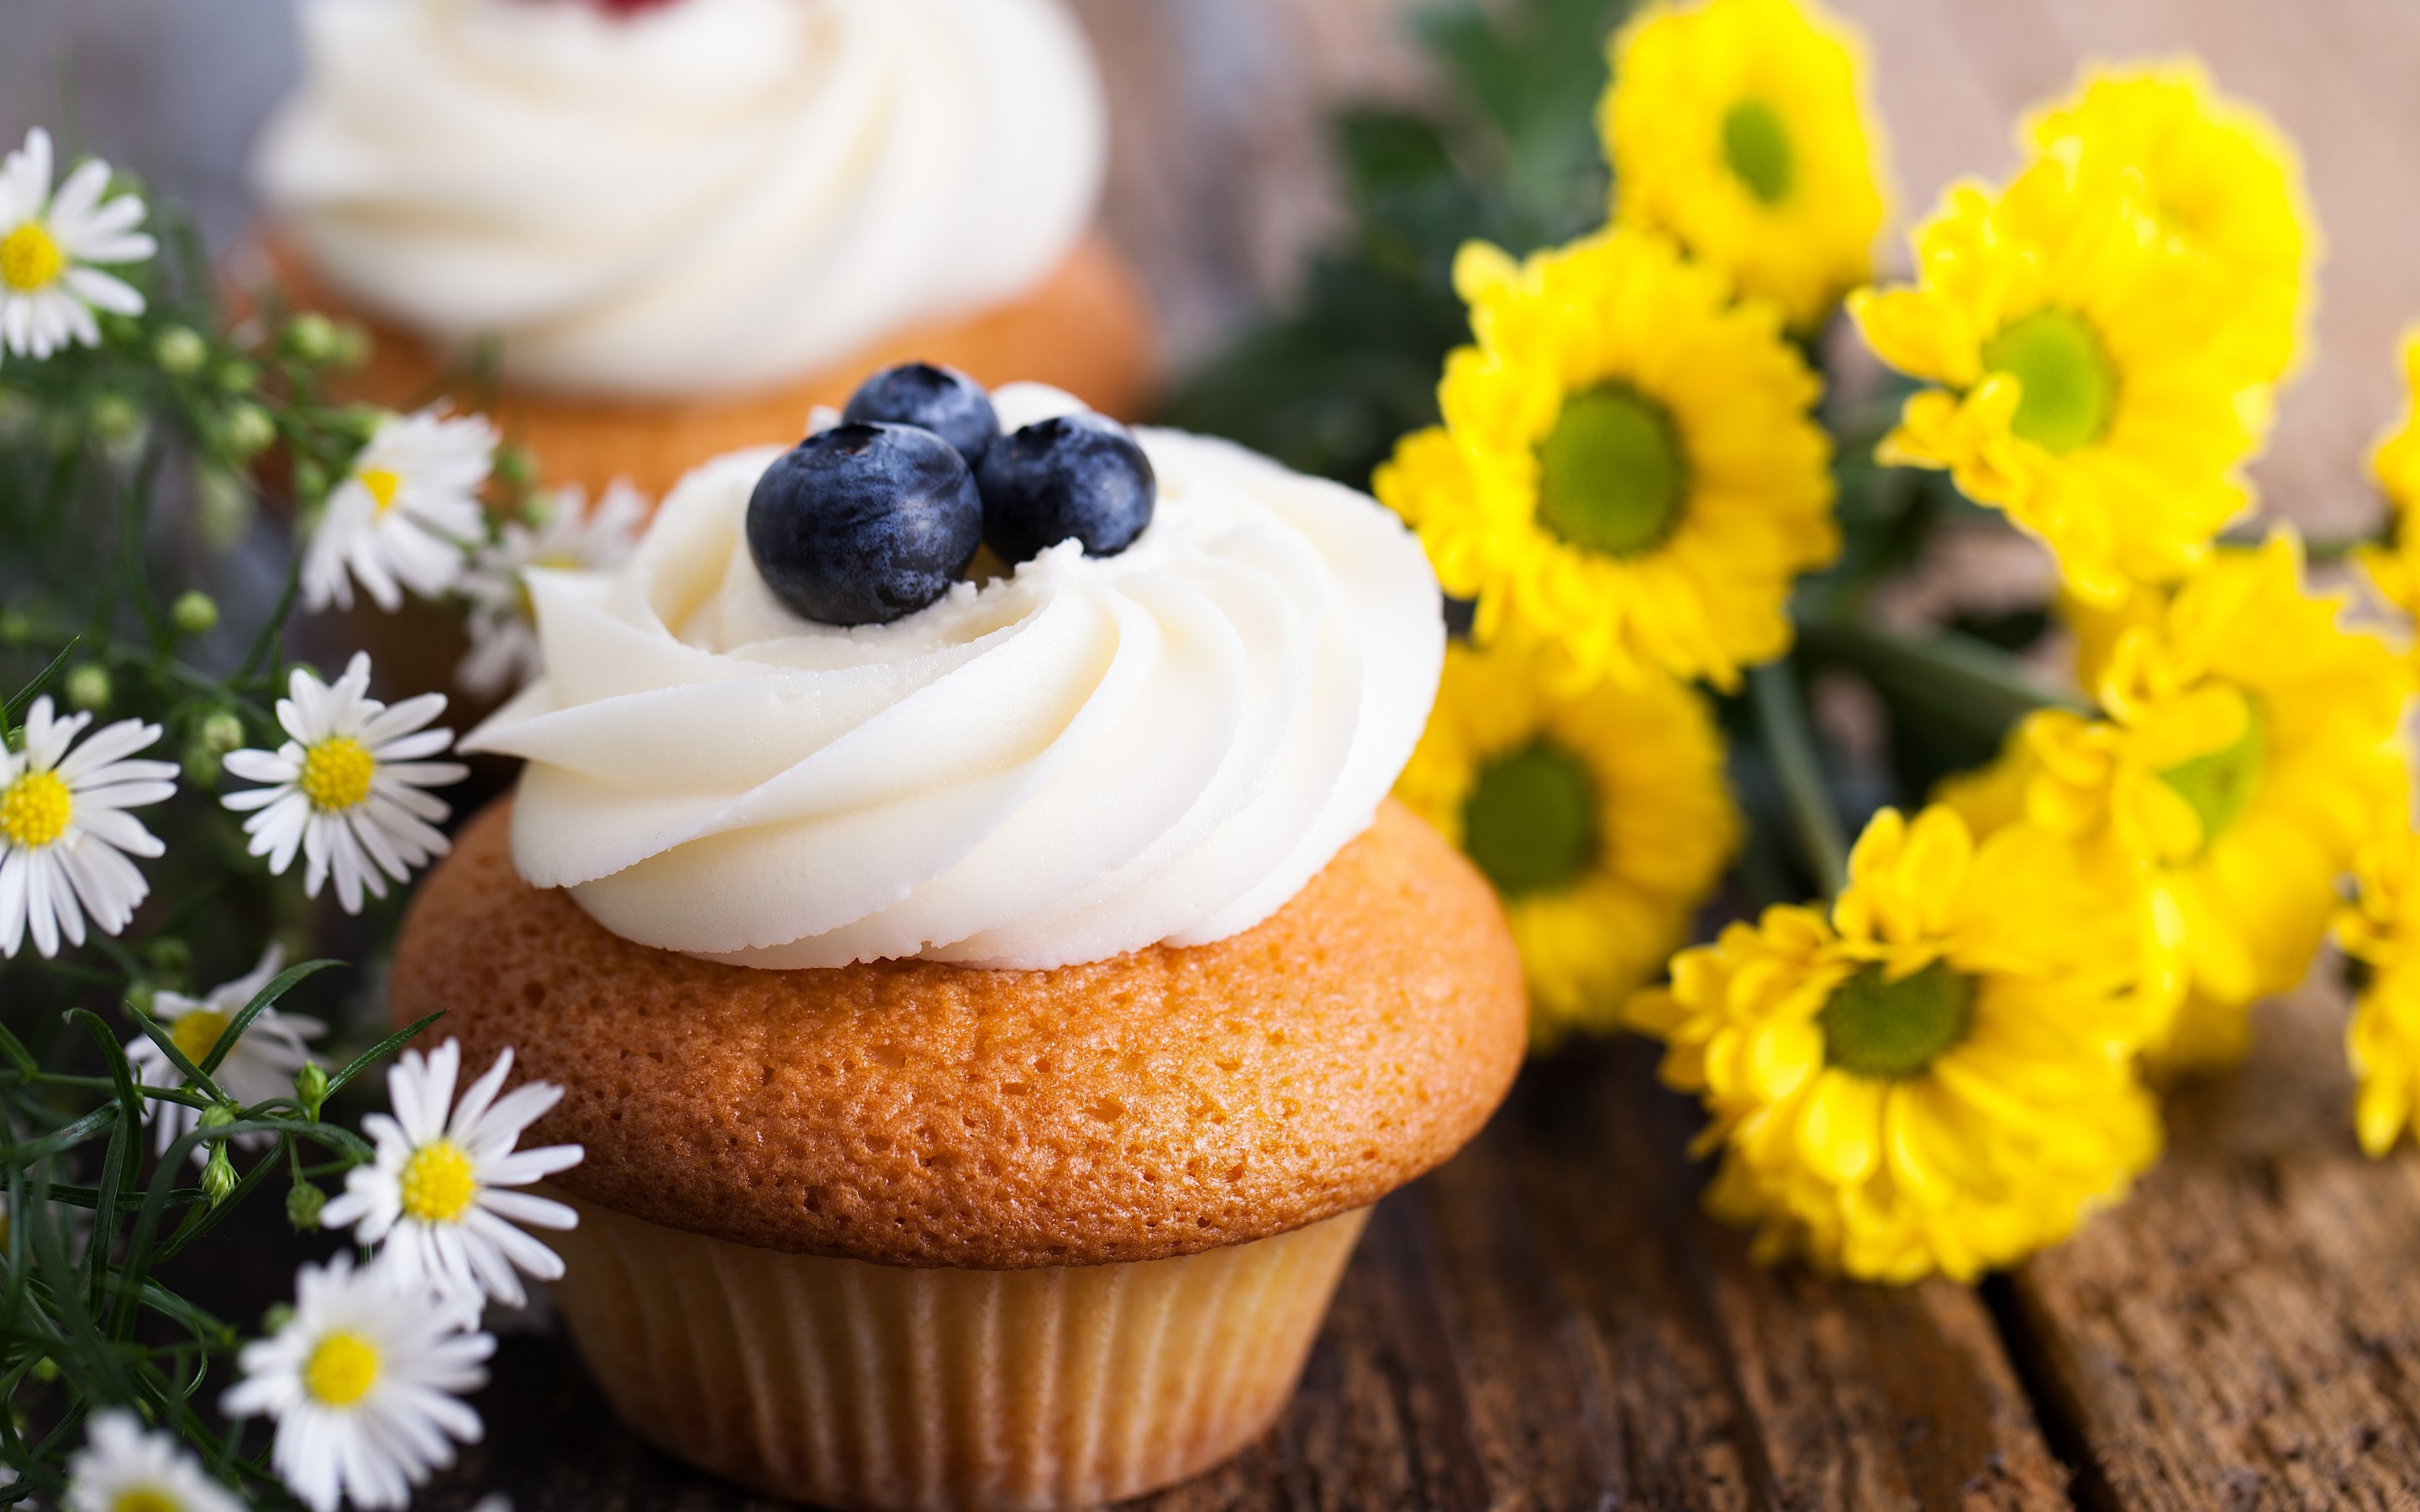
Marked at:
<point>341,1369</point>
<point>198,1032</point>
<point>337,773</point>
<point>30,259</point>
<point>2218,784</point>
<point>1611,474</point>
<point>1756,148</point>
<point>2068,387</point>
<point>146,1499</point>
<point>1874,1026</point>
<point>438,1182</point>
<point>1529,823</point>
<point>35,809</point>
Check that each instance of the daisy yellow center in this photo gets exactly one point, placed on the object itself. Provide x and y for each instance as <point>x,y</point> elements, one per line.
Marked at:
<point>342,1369</point>
<point>35,809</point>
<point>1611,474</point>
<point>146,1499</point>
<point>2219,783</point>
<point>1756,148</point>
<point>30,259</point>
<point>1529,823</point>
<point>336,773</point>
<point>198,1032</point>
<point>2067,386</point>
<point>437,1184</point>
<point>383,484</point>
<point>1891,1030</point>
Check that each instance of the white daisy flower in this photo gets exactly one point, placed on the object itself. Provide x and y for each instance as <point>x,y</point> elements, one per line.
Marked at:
<point>403,514</point>
<point>364,1382</point>
<point>260,1066</point>
<point>349,788</point>
<point>434,1194</point>
<point>48,244</point>
<point>125,1467</point>
<point>65,834</point>
<point>568,536</point>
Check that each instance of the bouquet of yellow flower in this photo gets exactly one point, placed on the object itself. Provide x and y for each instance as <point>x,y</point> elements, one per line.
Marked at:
<point>1667,499</point>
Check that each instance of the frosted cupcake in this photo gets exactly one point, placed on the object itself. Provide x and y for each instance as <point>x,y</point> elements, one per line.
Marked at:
<point>988,1020</point>
<point>679,227</point>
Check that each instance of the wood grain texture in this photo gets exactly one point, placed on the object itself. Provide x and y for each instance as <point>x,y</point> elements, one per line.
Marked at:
<point>2245,1330</point>
<point>1545,1324</point>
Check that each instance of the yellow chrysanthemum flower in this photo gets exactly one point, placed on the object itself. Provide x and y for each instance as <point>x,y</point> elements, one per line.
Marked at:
<point>2081,388</point>
<point>2246,750</point>
<point>2394,568</point>
<point>1937,1076</point>
<point>2222,181</point>
<point>1629,475</point>
<point>2382,931</point>
<point>1739,129</point>
<point>1600,817</point>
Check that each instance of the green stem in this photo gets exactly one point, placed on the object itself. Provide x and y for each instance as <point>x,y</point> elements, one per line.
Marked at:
<point>1790,745</point>
<point>1966,683</point>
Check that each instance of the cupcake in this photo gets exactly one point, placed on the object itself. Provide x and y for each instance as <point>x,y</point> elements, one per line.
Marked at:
<point>989,1020</point>
<point>641,234</point>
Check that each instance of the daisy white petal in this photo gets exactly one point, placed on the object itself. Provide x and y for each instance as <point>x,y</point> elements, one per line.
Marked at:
<point>336,794</point>
<point>48,244</point>
<point>124,1465</point>
<point>362,1382</point>
<point>403,517</point>
<point>65,835</point>
<point>437,1194</point>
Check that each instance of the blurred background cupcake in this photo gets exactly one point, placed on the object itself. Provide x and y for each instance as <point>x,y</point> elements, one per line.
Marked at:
<point>641,232</point>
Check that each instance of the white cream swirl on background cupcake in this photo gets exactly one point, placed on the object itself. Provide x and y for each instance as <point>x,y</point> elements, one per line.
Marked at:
<point>1087,757</point>
<point>698,197</point>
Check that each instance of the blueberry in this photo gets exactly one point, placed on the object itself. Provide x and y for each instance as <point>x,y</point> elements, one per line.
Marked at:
<point>941,399</point>
<point>862,524</point>
<point>1082,475</point>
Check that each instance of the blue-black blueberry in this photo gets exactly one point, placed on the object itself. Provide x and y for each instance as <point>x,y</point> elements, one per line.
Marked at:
<point>941,399</point>
<point>1081,475</point>
<point>862,524</point>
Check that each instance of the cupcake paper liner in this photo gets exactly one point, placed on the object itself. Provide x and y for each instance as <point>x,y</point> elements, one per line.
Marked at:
<point>893,1389</point>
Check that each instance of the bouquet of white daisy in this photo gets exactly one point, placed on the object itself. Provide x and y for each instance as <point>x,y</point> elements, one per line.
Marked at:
<point>164,767</point>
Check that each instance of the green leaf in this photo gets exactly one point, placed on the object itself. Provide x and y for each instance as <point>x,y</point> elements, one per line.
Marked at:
<point>277,987</point>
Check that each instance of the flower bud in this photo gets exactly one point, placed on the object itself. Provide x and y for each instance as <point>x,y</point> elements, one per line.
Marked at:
<point>248,429</point>
<point>194,613</point>
<point>171,959</point>
<point>311,336</point>
<point>311,1088</point>
<point>310,481</point>
<point>114,419</point>
<point>239,377</point>
<point>218,1175</point>
<point>200,763</point>
<point>222,732</point>
<point>89,687</point>
<point>217,1115</point>
<point>304,1203</point>
<point>179,351</point>
<point>223,507</point>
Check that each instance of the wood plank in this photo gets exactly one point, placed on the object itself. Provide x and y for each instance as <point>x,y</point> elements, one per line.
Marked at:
<point>2245,1330</point>
<point>1547,1323</point>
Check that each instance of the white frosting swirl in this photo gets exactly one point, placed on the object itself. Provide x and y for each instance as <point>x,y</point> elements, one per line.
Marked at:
<point>1082,759</point>
<point>710,195</point>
